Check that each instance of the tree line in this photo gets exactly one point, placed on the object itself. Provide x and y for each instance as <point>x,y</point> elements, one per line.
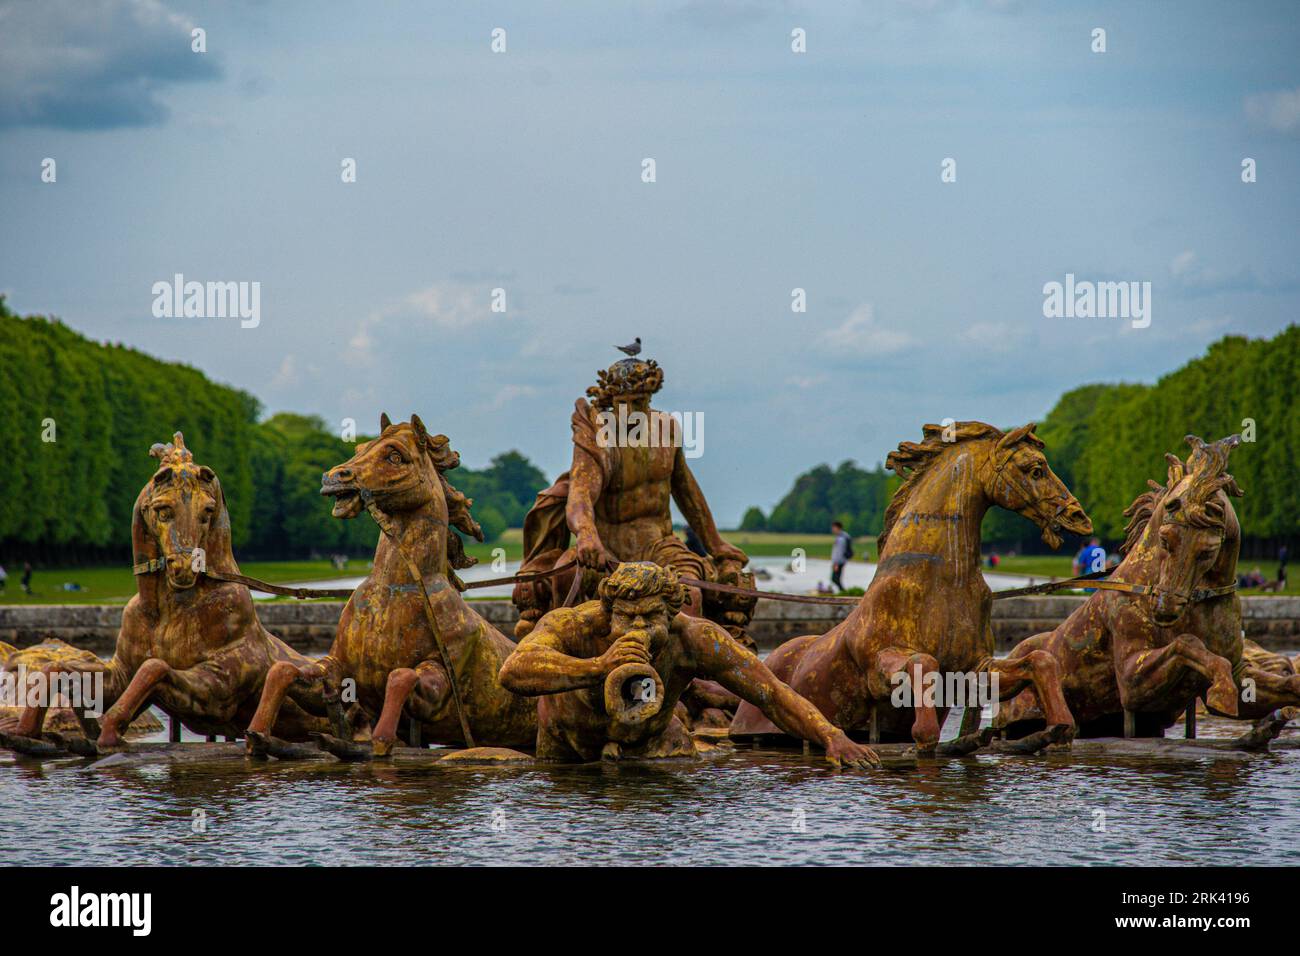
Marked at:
<point>77,419</point>
<point>1106,440</point>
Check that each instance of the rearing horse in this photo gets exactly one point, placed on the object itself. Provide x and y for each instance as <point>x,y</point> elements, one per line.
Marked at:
<point>386,641</point>
<point>926,611</point>
<point>1177,633</point>
<point>189,643</point>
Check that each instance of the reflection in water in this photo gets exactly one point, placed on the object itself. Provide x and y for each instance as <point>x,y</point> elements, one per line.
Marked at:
<point>747,806</point>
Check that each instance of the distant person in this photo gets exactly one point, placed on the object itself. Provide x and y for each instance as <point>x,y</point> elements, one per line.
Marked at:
<point>4,578</point>
<point>27,576</point>
<point>994,560</point>
<point>694,544</point>
<point>1091,558</point>
<point>841,552</point>
<point>1281,566</point>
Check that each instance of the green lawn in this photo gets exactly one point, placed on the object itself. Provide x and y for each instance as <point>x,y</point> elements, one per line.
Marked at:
<point>114,585</point>
<point>774,544</point>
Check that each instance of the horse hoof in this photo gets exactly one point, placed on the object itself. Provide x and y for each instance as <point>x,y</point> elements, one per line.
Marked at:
<point>967,744</point>
<point>1034,742</point>
<point>1265,729</point>
<point>75,744</point>
<point>255,745</point>
<point>1061,735</point>
<point>381,749</point>
<point>32,746</point>
<point>267,744</point>
<point>348,750</point>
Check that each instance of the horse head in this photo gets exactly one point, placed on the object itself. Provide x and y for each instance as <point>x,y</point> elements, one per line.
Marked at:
<point>1019,479</point>
<point>1189,523</point>
<point>180,517</point>
<point>402,472</point>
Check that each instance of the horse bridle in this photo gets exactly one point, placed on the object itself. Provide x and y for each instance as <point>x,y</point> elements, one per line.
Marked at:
<point>386,526</point>
<point>1195,596</point>
<point>1024,490</point>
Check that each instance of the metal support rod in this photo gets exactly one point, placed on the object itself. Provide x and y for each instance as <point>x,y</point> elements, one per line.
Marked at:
<point>1130,724</point>
<point>1189,721</point>
<point>414,734</point>
<point>874,732</point>
<point>173,730</point>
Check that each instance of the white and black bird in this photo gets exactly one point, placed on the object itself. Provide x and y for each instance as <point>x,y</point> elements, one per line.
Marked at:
<point>633,349</point>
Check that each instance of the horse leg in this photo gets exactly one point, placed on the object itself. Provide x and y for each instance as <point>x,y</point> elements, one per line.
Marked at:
<point>32,719</point>
<point>1040,671</point>
<point>29,736</point>
<point>429,682</point>
<point>898,667</point>
<point>130,703</point>
<point>1272,692</point>
<point>280,680</point>
<point>1145,675</point>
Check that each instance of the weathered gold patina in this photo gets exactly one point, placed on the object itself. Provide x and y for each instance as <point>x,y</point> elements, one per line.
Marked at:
<point>62,717</point>
<point>189,644</point>
<point>629,464</point>
<point>1153,655</point>
<point>610,674</point>
<point>926,611</point>
<point>386,653</point>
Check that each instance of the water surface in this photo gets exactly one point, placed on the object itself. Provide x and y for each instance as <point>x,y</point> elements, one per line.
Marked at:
<point>747,806</point>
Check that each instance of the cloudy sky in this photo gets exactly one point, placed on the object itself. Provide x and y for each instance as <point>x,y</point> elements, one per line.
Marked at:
<point>774,170</point>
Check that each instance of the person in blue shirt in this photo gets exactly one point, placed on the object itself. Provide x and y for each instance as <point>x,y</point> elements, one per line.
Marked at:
<point>1091,557</point>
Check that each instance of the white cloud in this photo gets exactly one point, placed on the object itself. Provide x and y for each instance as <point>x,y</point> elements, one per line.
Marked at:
<point>1278,110</point>
<point>861,334</point>
<point>805,381</point>
<point>1183,262</point>
<point>444,306</point>
<point>287,374</point>
<point>506,394</point>
<point>993,336</point>
<point>450,305</point>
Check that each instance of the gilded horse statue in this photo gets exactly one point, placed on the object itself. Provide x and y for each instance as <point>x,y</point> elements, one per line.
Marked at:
<point>63,716</point>
<point>189,643</point>
<point>407,641</point>
<point>1167,627</point>
<point>927,609</point>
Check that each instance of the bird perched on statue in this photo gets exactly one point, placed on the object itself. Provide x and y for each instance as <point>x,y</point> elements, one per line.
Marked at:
<point>633,349</point>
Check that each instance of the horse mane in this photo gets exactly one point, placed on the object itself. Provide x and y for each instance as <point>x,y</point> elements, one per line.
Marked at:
<point>911,460</point>
<point>439,450</point>
<point>1202,505</point>
<point>1139,513</point>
